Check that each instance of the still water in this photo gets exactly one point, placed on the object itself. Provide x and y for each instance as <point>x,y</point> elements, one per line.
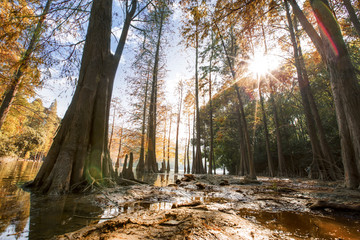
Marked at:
<point>28,216</point>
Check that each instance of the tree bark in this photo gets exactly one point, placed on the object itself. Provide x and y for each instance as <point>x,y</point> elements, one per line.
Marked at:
<point>117,164</point>
<point>267,141</point>
<point>151,165</point>
<point>193,142</point>
<point>163,165</point>
<point>282,170</point>
<point>185,154</point>
<point>353,18</point>
<point>323,164</point>
<point>112,130</point>
<point>198,165</point>
<point>177,132</point>
<point>79,153</point>
<point>188,148</point>
<point>141,164</point>
<point>344,84</point>
<point>168,149</point>
<point>211,153</point>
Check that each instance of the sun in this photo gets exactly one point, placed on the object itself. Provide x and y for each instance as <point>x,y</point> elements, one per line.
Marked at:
<point>262,64</point>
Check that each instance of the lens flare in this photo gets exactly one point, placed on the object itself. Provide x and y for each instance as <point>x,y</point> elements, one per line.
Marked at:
<point>261,64</point>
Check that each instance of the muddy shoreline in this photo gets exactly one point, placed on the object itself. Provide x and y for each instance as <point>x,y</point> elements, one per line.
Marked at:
<point>227,207</point>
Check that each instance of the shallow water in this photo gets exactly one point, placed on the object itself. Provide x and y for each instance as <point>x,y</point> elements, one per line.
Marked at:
<point>27,216</point>
<point>305,225</point>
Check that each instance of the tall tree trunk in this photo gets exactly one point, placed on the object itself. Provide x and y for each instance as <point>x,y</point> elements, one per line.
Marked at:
<point>163,165</point>
<point>141,164</point>
<point>329,160</point>
<point>282,170</point>
<point>80,151</point>
<point>188,148</point>
<point>11,92</point>
<point>193,142</point>
<point>198,165</point>
<point>185,154</point>
<point>267,141</point>
<point>353,18</point>
<point>117,164</point>
<point>252,173</point>
<point>151,165</point>
<point>168,149</point>
<point>177,132</point>
<point>323,162</point>
<point>344,83</point>
<point>112,130</point>
<point>211,153</point>
<point>244,161</point>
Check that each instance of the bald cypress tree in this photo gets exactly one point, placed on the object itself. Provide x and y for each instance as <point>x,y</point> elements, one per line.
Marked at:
<point>79,153</point>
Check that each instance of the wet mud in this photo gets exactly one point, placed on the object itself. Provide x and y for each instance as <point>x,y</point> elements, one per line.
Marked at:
<point>226,207</point>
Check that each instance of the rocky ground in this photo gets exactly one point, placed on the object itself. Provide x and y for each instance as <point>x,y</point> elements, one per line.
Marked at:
<point>228,207</point>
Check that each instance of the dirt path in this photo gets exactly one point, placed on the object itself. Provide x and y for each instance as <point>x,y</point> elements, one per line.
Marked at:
<point>228,207</point>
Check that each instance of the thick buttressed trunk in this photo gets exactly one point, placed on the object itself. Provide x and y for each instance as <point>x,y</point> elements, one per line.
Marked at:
<point>123,171</point>
<point>344,83</point>
<point>267,140</point>
<point>79,153</point>
<point>11,92</point>
<point>128,170</point>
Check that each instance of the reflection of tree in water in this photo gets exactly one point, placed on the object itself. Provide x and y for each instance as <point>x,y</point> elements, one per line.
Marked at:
<point>15,202</point>
<point>50,215</point>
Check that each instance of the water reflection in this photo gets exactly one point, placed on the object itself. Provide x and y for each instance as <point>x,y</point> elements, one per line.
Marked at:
<point>305,225</point>
<point>30,216</point>
<point>15,203</point>
<point>51,216</point>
